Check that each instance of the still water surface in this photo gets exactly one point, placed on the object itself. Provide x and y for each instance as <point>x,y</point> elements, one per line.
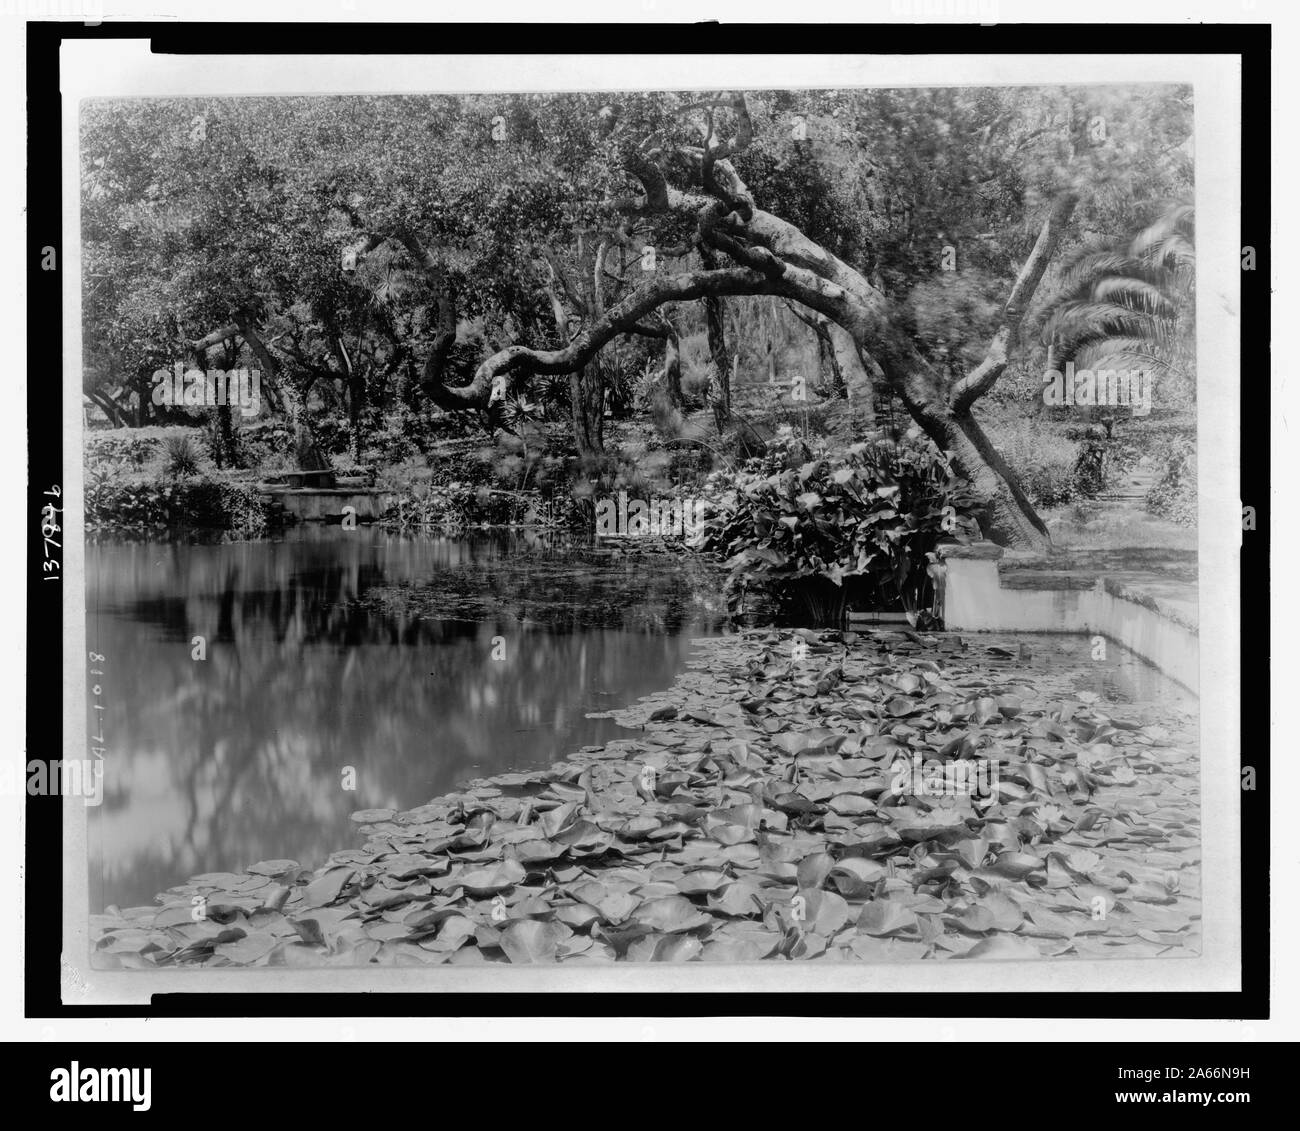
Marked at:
<point>328,650</point>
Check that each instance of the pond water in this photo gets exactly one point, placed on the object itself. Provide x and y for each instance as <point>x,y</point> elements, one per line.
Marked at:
<point>408,663</point>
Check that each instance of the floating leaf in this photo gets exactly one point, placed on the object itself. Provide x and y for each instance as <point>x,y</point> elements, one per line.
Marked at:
<point>489,881</point>
<point>675,913</point>
<point>884,917</point>
<point>824,912</point>
<point>327,887</point>
<point>1017,865</point>
<point>736,899</point>
<point>532,941</point>
<point>702,881</point>
<point>856,877</point>
<point>248,949</point>
<point>273,867</point>
<point>1002,947</point>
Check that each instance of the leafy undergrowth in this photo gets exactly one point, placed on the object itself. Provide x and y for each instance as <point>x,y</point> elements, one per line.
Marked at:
<point>755,817</point>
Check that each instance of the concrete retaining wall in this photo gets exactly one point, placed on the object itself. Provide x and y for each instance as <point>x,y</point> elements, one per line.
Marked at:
<point>974,599</point>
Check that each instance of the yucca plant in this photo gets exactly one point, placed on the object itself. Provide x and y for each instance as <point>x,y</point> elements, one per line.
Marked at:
<point>182,455</point>
<point>1131,305</point>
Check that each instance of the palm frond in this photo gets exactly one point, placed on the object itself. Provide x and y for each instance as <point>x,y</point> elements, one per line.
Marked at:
<point>1120,353</point>
<point>1178,219</point>
<point>1075,323</point>
<point>1135,294</point>
<point>1129,306</point>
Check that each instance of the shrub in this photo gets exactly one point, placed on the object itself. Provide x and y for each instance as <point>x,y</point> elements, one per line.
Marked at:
<point>402,434</point>
<point>265,444</point>
<point>113,502</point>
<point>1056,468</point>
<point>860,525</point>
<point>201,502</point>
<point>333,434</point>
<point>1045,462</point>
<point>1174,494</point>
<point>131,451</point>
<point>457,505</point>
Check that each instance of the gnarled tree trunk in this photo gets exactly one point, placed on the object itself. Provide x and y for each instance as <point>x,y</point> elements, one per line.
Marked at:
<point>772,256</point>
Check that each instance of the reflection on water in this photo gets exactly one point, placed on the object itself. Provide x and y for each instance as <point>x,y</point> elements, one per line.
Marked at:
<point>330,649</point>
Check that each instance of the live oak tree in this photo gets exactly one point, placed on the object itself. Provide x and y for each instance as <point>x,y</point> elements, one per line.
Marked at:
<point>757,252</point>
<point>695,183</point>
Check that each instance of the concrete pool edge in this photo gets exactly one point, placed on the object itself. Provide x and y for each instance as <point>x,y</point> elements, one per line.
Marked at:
<point>978,595</point>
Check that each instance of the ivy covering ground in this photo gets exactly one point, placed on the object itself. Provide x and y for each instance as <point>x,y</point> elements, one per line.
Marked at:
<point>753,818</point>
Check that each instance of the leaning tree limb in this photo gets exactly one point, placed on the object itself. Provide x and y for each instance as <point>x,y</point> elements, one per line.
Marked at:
<point>622,318</point>
<point>985,375</point>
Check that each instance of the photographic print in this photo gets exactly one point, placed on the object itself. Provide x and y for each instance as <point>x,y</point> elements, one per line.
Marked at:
<point>585,516</point>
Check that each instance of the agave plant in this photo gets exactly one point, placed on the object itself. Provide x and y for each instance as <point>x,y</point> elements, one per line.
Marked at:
<point>1131,305</point>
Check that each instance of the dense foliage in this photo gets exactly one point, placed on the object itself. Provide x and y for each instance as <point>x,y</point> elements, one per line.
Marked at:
<point>1174,494</point>
<point>858,525</point>
<point>344,239</point>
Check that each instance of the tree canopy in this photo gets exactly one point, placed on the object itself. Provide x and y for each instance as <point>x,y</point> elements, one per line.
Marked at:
<point>445,252</point>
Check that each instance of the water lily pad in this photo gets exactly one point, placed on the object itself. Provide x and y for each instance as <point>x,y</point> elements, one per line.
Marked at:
<point>272,867</point>
<point>748,947</point>
<point>248,949</point>
<point>638,828</point>
<point>702,881</point>
<point>856,877</point>
<point>883,917</point>
<point>532,941</point>
<point>824,912</point>
<point>737,900</point>
<point>1017,865</point>
<point>670,915</point>
<point>482,882</point>
<point>327,887</point>
<point>850,804</point>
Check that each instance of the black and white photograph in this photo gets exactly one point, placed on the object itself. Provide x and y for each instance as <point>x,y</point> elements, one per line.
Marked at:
<point>539,520</point>
<point>642,526</point>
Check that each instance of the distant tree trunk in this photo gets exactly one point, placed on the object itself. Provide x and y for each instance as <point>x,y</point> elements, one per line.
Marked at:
<point>111,409</point>
<point>666,392</point>
<point>225,418</point>
<point>720,358</point>
<point>144,398</point>
<point>356,386</point>
<point>587,404</point>
<point>356,402</point>
<point>826,357</point>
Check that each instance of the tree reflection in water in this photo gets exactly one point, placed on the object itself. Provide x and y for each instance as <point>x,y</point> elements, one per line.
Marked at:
<point>328,649</point>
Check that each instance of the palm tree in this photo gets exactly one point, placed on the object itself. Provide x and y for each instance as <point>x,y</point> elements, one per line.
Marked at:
<point>1131,305</point>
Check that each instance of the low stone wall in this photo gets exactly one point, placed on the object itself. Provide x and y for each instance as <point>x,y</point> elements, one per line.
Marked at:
<point>320,504</point>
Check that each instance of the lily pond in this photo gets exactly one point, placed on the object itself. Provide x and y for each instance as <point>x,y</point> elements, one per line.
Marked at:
<point>503,748</point>
<point>416,662</point>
